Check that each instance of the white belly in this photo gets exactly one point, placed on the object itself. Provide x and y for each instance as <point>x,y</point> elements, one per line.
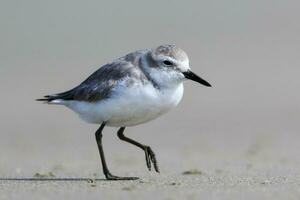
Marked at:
<point>130,106</point>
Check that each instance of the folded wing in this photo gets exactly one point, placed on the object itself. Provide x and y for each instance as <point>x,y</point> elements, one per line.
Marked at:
<point>100,84</point>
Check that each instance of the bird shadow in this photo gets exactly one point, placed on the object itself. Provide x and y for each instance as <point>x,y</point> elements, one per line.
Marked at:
<point>52,179</point>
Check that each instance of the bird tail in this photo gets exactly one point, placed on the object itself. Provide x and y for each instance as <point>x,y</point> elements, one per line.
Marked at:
<point>51,99</point>
<point>59,98</point>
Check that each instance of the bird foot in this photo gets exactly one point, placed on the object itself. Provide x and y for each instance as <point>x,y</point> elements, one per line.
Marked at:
<point>150,158</point>
<point>111,177</point>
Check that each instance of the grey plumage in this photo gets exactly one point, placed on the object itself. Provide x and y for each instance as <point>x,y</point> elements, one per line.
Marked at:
<point>99,85</point>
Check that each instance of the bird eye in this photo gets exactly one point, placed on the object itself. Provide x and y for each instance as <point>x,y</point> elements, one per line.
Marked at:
<point>166,62</point>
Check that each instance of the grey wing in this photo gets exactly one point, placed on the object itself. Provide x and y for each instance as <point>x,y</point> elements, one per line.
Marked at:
<point>99,85</point>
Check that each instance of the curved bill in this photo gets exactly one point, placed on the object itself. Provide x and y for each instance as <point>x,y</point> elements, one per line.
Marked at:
<point>194,77</point>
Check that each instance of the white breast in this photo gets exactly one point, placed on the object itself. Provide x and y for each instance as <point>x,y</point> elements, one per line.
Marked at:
<point>129,106</point>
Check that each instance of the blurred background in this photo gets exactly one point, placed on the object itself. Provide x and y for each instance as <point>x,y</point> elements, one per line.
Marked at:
<point>248,122</point>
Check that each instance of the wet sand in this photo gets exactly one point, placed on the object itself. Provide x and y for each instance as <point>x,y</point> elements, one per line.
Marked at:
<point>207,186</point>
<point>185,174</point>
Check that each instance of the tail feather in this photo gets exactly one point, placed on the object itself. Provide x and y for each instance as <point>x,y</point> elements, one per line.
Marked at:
<point>58,98</point>
<point>44,100</point>
<point>49,99</point>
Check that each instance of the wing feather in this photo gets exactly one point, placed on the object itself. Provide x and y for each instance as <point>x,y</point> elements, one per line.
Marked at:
<point>100,84</point>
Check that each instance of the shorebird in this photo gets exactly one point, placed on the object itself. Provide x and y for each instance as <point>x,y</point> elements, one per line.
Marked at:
<point>128,91</point>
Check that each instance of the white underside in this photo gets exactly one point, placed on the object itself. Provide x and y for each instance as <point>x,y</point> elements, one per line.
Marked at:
<point>128,106</point>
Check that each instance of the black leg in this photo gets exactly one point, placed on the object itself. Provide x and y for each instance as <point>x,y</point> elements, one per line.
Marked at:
<point>106,172</point>
<point>150,156</point>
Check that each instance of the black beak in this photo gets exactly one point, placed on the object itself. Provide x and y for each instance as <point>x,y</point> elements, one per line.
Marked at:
<point>192,76</point>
